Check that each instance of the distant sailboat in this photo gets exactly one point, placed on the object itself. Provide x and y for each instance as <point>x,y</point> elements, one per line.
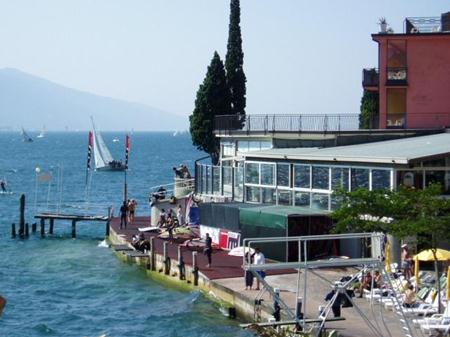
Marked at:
<point>42,134</point>
<point>116,140</point>
<point>25,137</point>
<point>102,157</point>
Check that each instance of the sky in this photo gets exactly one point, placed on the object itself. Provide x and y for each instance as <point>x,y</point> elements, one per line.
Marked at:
<point>300,56</point>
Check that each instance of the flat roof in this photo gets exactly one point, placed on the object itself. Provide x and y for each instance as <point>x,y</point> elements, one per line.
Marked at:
<point>398,151</point>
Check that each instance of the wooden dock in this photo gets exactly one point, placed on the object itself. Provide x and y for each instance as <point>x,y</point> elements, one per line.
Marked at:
<point>74,218</point>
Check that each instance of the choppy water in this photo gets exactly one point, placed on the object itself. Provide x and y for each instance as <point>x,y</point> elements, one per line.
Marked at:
<point>62,287</point>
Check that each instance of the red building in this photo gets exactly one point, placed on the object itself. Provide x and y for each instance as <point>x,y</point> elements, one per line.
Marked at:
<point>413,80</point>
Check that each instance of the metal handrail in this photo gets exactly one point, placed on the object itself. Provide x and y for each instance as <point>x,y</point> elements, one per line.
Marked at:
<point>333,122</point>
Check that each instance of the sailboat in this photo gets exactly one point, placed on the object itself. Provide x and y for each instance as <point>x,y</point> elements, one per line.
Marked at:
<point>25,137</point>
<point>103,159</point>
<point>42,133</point>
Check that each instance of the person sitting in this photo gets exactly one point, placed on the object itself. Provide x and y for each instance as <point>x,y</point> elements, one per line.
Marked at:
<point>366,283</point>
<point>409,298</point>
<point>162,218</point>
<point>185,174</point>
<point>377,280</point>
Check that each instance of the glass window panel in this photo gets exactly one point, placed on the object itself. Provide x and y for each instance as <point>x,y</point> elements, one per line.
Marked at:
<point>268,196</point>
<point>360,178</point>
<point>267,174</point>
<point>302,198</point>
<point>334,202</point>
<point>339,177</point>
<point>283,175</point>
<point>243,146</point>
<point>254,146</point>
<point>266,145</point>
<point>227,149</point>
<point>216,180</point>
<point>252,173</point>
<point>238,183</point>
<point>302,174</point>
<point>226,178</point>
<point>284,198</point>
<point>320,177</point>
<point>381,179</point>
<point>319,201</point>
<point>435,177</point>
<point>208,182</point>
<point>253,194</point>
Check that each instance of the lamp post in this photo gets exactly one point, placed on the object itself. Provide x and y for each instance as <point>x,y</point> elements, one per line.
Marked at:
<point>37,170</point>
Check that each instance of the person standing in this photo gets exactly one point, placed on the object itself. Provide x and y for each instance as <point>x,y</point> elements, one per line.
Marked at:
<point>123,215</point>
<point>208,249</point>
<point>180,216</point>
<point>3,185</point>
<point>406,262</point>
<point>259,259</point>
<point>248,273</point>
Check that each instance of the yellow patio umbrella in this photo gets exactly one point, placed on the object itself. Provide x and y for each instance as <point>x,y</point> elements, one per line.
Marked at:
<point>387,256</point>
<point>429,255</point>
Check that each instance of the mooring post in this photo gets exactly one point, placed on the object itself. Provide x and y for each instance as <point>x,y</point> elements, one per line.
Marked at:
<point>33,227</point>
<point>166,259</point>
<point>50,228</point>
<point>27,230</point>
<point>152,253</point>
<point>13,230</point>
<point>195,268</point>
<point>42,227</point>
<point>22,216</point>
<point>74,229</point>
<point>181,266</point>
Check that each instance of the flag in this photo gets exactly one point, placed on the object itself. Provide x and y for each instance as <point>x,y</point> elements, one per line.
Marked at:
<point>44,177</point>
<point>89,154</point>
<point>127,150</point>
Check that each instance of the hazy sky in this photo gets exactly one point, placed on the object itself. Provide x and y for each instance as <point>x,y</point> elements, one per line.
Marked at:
<point>300,56</point>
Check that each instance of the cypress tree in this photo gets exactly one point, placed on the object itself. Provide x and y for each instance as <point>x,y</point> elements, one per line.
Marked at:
<point>213,98</point>
<point>234,61</point>
<point>368,119</point>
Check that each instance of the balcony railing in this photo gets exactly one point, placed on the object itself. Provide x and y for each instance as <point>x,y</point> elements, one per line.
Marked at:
<point>370,77</point>
<point>414,25</point>
<point>225,124</point>
<point>397,76</point>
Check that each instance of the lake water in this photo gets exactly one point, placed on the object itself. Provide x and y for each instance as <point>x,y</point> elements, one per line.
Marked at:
<point>62,287</point>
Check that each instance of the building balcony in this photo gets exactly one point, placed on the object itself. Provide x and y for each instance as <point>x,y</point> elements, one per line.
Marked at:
<point>397,76</point>
<point>370,79</point>
<point>318,123</point>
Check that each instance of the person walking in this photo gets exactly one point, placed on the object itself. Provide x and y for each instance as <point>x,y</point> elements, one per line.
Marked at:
<point>259,259</point>
<point>208,249</point>
<point>123,215</point>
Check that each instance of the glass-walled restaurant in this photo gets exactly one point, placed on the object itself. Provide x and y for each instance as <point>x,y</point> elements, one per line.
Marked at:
<point>310,184</point>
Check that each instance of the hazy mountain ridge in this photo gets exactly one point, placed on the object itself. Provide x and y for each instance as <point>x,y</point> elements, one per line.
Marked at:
<point>31,102</point>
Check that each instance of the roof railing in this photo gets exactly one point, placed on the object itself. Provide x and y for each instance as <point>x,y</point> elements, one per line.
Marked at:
<point>414,25</point>
<point>225,124</point>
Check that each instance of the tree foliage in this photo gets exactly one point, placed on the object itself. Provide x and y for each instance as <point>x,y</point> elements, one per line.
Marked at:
<point>369,110</point>
<point>234,61</point>
<point>405,212</point>
<point>213,98</point>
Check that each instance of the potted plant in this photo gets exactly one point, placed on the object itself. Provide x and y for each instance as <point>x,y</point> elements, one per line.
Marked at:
<point>383,24</point>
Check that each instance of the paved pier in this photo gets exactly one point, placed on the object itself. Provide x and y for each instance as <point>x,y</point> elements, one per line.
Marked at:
<point>226,278</point>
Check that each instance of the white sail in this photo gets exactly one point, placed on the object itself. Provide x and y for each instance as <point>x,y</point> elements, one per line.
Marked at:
<point>25,136</point>
<point>102,156</point>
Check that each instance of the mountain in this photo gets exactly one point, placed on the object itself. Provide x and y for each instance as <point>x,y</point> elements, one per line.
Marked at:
<point>31,102</point>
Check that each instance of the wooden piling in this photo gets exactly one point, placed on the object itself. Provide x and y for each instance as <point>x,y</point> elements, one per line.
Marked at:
<point>195,268</point>
<point>42,227</point>
<point>181,266</point>
<point>33,227</point>
<point>22,215</point>
<point>50,228</point>
<point>13,230</point>
<point>27,230</point>
<point>166,259</point>
<point>74,229</point>
<point>152,254</point>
